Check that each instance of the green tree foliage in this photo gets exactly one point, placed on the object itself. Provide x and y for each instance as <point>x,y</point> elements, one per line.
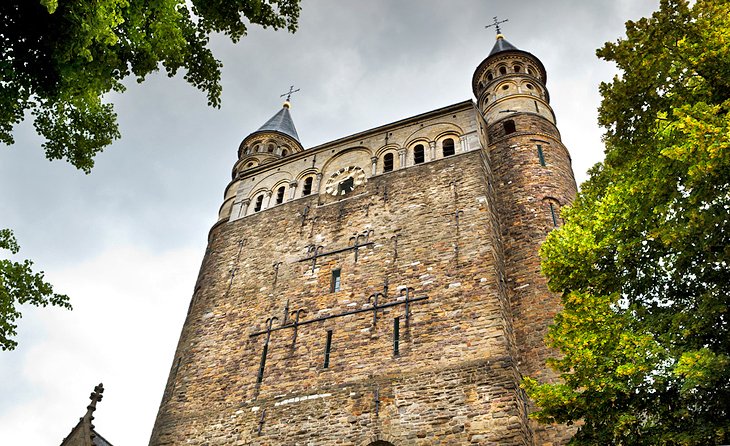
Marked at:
<point>642,260</point>
<point>58,58</point>
<point>19,286</point>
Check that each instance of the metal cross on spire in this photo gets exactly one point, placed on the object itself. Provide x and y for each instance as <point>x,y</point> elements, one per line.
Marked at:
<point>289,93</point>
<point>496,24</point>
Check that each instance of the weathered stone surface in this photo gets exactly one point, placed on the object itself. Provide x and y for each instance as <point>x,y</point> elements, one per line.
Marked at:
<point>460,231</point>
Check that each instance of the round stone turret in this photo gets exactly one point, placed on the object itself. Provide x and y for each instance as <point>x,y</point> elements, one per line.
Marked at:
<point>511,81</point>
<point>275,139</point>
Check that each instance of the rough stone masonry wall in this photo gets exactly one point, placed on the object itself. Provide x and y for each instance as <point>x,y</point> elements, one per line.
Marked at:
<point>455,380</point>
<point>524,189</point>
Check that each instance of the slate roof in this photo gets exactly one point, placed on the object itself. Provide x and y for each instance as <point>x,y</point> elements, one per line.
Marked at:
<point>281,122</point>
<point>502,45</point>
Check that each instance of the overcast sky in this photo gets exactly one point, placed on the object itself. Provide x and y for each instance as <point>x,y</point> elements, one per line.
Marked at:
<point>126,241</point>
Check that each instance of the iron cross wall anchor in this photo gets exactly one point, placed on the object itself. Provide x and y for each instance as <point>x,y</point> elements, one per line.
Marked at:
<point>297,315</point>
<point>313,251</point>
<point>316,251</point>
<point>374,307</point>
<point>262,365</point>
<point>355,241</point>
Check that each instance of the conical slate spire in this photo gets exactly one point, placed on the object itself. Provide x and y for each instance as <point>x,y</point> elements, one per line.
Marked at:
<point>281,122</point>
<point>501,45</point>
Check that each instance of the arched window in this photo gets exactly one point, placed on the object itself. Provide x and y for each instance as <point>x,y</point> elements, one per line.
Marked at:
<point>418,154</point>
<point>284,152</point>
<point>249,165</point>
<point>490,76</point>
<point>388,162</point>
<point>509,127</point>
<point>517,68</point>
<point>257,148</point>
<point>259,203</point>
<point>448,147</point>
<point>307,189</point>
<point>502,70</point>
<point>280,195</point>
<point>270,148</point>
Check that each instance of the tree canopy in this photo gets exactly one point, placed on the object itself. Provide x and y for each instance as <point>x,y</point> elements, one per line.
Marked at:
<point>58,60</point>
<point>642,259</point>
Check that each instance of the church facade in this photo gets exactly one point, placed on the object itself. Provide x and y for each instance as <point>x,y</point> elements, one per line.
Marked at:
<point>383,288</point>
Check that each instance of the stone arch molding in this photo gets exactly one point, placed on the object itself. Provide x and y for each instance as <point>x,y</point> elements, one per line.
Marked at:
<point>431,132</point>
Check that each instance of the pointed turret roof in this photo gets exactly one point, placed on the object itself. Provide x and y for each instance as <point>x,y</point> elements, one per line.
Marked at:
<point>502,45</point>
<point>281,122</point>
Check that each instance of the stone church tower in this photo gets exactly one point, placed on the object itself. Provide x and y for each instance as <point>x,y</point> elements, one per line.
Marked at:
<point>383,288</point>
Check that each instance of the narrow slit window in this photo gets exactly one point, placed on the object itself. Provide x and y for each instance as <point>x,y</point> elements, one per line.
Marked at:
<point>448,147</point>
<point>327,350</point>
<point>307,189</point>
<point>388,162</point>
<point>418,154</point>
<point>537,109</point>
<point>509,127</point>
<point>280,195</point>
<point>541,155</point>
<point>259,203</point>
<point>336,281</point>
<point>396,336</point>
<point>553,215</point>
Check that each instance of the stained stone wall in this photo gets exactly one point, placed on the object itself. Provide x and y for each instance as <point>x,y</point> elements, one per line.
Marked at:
<point>525,189</point>
<point>455,377</point>
<point>461,233</point>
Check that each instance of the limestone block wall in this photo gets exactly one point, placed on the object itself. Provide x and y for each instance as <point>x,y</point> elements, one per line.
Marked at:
<point>365,150</point>
<point>430,227</point>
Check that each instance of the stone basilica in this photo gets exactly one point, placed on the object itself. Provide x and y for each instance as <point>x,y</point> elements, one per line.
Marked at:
<point>383,288</point>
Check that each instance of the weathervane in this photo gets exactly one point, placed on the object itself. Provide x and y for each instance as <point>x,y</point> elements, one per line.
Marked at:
<point>496,24</point>
<point>289,93</point>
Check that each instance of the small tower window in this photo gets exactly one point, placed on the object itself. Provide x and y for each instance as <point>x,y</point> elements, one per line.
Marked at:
<point>280,195</point>
<point>509,127</point>
<point>490,76</point>
<point>388,162</point>
<point>327,350</point>
<point>307,189</point>
<point>448,147</point>
<point>529,86</point>
<point>540,155</point>
<point>553,214</point>
<point>336,281</point>
<point>517,68</point>
<point>396,336</point>
<point>259,203</point>
<point>502,70</point>
<point>505,87</point>
<point>249,165</point>
<point>284,152</point>
<point>418,154</point>
<point>271,148</point>
<point>257,148</point>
